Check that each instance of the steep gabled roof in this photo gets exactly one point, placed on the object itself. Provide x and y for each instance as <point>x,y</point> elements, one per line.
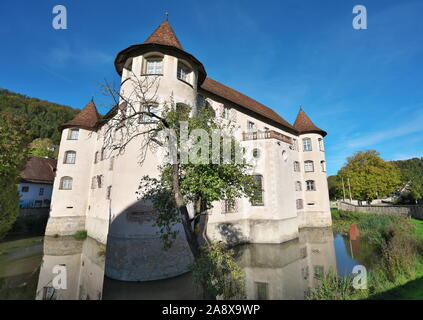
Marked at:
<point>39,170</point>
<point>304,125</point>
<point>242,100</point>
<point>86,118</point>
<point>165,35</point>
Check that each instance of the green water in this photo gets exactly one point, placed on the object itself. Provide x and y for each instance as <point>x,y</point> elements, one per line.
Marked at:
<point>20,262</point>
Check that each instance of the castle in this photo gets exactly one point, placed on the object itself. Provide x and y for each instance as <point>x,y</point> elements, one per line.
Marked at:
<point>96,191</point>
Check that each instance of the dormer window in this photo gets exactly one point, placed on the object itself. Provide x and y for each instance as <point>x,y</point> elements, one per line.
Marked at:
<point>153,65</point>
<point>184,72</point>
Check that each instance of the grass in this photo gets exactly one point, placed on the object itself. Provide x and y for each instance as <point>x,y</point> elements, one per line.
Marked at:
<point>80,235</point>
<point>398,273</point>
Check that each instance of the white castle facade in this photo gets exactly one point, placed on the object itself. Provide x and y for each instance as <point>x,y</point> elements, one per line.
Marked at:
<point>96,190</point>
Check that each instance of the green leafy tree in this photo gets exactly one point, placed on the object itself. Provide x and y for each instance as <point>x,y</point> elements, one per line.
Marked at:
<point>184,183</point>
<point>13,155</point>
<point>370,176</point>
<point>42,117</point>
<point>332,182</point>
<point>412,178</point>
<point>42,147</point>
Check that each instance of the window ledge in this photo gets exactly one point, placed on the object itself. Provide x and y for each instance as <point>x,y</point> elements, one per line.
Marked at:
<point>186,82</point>
<point>151,74</point>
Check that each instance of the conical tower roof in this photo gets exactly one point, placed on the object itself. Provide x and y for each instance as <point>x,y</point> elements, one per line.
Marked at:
<point>304,124</point>
<point>86,118</point>
<point>165,35</point>
<point>162,39</point>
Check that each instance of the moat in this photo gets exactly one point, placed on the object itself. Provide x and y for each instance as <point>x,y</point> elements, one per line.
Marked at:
<point>273,271</point>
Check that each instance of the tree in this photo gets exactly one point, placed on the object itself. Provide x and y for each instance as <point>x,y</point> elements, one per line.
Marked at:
<point>369,175</point>
<point>13,155</point>
<point>43,147</point>
<point>197,171</point>
<point>412,179</point>
<point>332,181</point>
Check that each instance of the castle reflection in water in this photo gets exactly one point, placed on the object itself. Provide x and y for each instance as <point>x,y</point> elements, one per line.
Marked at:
<point>273,271</point>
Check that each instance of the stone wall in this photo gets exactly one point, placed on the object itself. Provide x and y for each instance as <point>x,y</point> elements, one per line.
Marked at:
<point>413,211</point>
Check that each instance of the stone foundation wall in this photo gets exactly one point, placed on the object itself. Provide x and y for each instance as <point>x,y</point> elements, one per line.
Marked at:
<point>314,219</point>
<point>143,259</point>
<point>415,211</point>
<point>65,226</point>
<point>254,231</point>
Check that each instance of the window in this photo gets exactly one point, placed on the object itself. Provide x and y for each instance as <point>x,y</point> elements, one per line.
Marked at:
<point>112,161</point>
<point>257,199</point>
<point>109,192</point>
<point>147,110</point>
<point>154,65</point>
<point>311,186</point>
<point>70,157</point>
<point>300,204</point>
<point>297,185</point>
<point>256,153</point>
<point>25,189</point>
<point>294,144</point>
<point>308,166</point>
<point>321,144</point>
<point>250,126</point>
<point>73,134</point>
<point>184,72</point>
<point>93,182</point>
<point>100,181</point>
<point>318,272</point>
<point>323,165</point>
<point>41,192</point>
<point>307,144</point>
<point>229,206</point>
<point>296,166</point>
<point>262,289</point>
<point>284,155</point>
<point>103,150</point>
<point>226,112</point>
<point>38,203</point>
<point>266,129</point>
<point>66,183</point>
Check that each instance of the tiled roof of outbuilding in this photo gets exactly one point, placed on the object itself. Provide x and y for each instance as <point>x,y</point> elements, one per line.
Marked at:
<point>86,118</point>
<point>304,125</point>
<point>39,170</point>
<point>242,100</point>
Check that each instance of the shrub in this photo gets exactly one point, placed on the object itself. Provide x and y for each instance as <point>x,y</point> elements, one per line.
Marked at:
<point>80,235</point>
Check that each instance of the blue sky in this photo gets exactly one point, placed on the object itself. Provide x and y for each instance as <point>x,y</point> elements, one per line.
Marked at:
<point>364,87</point>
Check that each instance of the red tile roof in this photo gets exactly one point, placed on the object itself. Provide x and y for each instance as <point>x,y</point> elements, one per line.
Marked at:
<point>39,170</point>
<point>304,125</point>
<point>242,100</point>
<point>86,118</point>
<point>165,35</point>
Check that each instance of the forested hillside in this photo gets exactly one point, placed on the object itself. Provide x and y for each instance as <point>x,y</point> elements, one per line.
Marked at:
<point>42,117</point>
<point>412,175</point>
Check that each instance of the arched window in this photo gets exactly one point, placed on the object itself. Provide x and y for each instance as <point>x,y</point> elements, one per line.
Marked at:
<point>70,157</point>
<point>311,186</point>
<point>296,166</point>
<point>153,65</point>
<point>300,204</point>
<point>184,72</point>
<point>307,144</point>
<point>257,199</point>
<point>321,148</point>
<point>323,165</point>
<point>298,186</point>
<point>66,183</point>
<point>308,166</point>
<point>256,153</point>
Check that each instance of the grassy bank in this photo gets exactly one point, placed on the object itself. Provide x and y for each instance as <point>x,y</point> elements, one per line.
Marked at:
<point>398,247</point>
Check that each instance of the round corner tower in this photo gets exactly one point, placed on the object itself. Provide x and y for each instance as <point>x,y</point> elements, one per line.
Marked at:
<point>315,206</point>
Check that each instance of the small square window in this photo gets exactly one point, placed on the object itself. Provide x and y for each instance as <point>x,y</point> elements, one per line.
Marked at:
<point>73,134</point>
<point>25,189</point>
